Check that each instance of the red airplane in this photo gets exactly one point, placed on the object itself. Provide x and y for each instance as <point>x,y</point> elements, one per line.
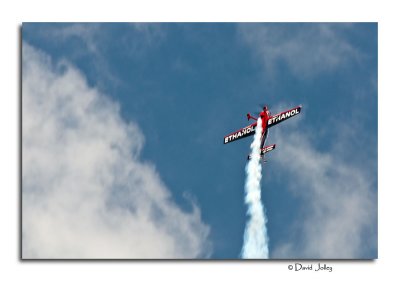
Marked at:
<point>268,121</point>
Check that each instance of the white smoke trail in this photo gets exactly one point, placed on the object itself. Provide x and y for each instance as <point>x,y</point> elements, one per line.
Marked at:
<point>255,244</point>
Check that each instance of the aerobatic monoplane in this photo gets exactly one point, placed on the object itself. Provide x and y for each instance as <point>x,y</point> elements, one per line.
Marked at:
<point>268,121</point>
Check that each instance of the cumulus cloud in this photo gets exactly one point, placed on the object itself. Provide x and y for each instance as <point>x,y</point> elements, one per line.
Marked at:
<point>306,49</point>
<point>338,213</point>
<point>90,42</point>
<point>85,191</point>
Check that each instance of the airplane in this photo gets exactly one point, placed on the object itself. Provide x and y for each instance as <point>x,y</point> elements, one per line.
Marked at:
<point>268,121</point>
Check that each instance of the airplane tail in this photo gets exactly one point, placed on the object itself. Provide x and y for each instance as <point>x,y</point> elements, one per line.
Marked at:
<point>264,150</point>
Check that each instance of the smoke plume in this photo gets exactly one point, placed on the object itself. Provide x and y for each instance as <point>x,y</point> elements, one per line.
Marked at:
<point>255,244</point>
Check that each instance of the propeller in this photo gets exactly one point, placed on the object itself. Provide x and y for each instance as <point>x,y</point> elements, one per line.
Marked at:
<point>257,113</point>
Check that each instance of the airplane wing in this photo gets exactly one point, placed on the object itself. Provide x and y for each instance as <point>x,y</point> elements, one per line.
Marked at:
<point>242,133</point>
<point>278,118</point>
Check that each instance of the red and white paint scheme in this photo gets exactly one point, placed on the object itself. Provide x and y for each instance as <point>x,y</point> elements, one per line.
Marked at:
<point>268,121</point>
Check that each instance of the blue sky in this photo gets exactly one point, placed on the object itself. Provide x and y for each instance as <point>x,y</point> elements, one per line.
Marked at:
<point>185,86</point>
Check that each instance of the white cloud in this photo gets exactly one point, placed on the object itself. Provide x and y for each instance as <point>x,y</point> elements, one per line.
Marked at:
<point>338,214</point>
<point>85,192</point>
<point>307,49</point>
<point>91,43</point>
